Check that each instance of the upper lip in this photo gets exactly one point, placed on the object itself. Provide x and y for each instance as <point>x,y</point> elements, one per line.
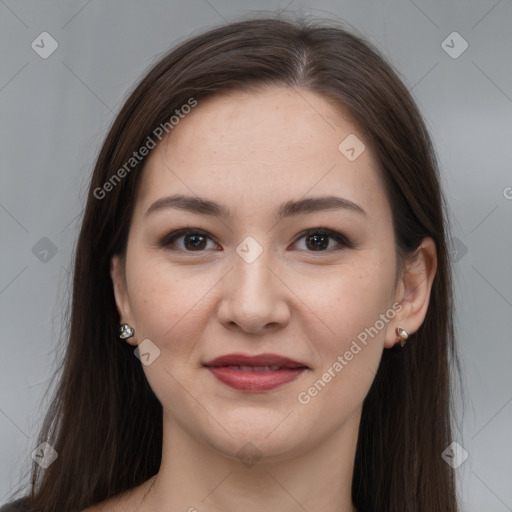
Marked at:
<point>257,360</point>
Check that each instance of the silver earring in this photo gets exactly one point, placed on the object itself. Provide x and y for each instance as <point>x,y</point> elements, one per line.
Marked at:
<point>402,335</point>
<point>125,331</point>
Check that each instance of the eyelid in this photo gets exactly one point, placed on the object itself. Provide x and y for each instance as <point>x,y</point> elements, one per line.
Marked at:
<point>341,239</point>
<point>171,237</point>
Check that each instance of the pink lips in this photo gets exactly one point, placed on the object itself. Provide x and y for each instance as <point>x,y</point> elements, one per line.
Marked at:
<point>254,373</point>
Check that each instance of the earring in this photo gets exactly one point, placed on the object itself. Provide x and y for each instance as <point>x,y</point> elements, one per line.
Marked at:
<point>402,335</point>
<point>125,331</point>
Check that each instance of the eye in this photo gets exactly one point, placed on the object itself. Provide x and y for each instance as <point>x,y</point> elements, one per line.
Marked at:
<point>189,240</point>
<point>319,240</point>
<point>196,240</point>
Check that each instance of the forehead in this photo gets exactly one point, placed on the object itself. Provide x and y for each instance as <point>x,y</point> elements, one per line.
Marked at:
<point>257,147</point>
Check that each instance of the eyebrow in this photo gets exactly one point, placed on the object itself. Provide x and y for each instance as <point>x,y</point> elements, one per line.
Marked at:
<point>204,206</point>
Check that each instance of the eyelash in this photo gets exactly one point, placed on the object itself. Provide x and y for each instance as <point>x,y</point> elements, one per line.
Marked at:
<point>169,239</point>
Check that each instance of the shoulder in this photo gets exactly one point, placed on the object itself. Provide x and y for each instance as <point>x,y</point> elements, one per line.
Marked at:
<point>21,506</point>
<point>15,506</point>
<point>128,501</point>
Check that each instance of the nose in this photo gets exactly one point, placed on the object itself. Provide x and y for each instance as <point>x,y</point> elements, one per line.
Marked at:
<point>253,298</point>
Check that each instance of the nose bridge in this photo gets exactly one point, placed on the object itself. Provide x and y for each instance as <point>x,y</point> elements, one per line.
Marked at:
<point>252,277</point>
<point>251,263</point>
<point>252,297</point>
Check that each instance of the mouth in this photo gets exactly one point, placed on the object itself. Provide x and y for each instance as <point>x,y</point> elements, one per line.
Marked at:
<point>255,373</point>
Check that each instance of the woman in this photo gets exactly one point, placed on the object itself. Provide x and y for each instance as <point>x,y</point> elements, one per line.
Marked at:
<point>262,304</point>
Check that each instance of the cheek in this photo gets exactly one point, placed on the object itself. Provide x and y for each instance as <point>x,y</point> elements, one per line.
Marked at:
<point>168,307</point>
<point>350,299</point>
<point>355,310</point>
<point>166,302</point>
<point>349,354</point>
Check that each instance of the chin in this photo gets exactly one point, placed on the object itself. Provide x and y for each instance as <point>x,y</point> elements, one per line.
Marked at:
<point>272,435</point>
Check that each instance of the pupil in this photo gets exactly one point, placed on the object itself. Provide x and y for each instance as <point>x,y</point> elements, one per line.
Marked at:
<point>318,241</point>
<point>195,241</point>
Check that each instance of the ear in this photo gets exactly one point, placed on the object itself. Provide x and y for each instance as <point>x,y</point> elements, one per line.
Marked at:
<point>117,274</point>
<point>413,291</point>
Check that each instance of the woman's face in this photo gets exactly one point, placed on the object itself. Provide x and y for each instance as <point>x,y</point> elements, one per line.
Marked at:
<point>263,273</point>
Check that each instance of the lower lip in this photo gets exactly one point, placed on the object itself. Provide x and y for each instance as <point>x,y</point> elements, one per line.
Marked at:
<point>255,381</point>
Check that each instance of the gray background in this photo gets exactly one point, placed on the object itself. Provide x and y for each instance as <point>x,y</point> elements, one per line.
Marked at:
<point>55,113</point>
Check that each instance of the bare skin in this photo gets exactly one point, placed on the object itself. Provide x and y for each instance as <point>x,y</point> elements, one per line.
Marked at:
<point>251,153</point>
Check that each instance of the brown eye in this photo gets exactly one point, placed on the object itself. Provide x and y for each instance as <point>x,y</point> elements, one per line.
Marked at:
<point>321,240</point>
<point>194,241</point>
<point>189,240</point>
<point>317,242</point>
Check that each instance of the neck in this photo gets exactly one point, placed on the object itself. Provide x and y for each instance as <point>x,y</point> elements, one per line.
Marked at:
<point>196,477</point>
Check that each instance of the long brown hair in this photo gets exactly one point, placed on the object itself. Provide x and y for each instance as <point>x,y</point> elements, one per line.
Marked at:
<point>105,422</point>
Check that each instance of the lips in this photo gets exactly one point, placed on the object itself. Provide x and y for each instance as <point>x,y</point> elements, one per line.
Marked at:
<point>255,373</point>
